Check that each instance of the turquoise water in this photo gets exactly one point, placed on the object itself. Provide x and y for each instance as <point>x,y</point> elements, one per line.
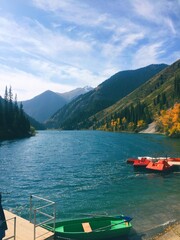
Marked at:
<point>86,172</point>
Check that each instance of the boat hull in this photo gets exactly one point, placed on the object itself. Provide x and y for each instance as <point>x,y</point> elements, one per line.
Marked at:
<point>102,228</point>
<point>141,163</point>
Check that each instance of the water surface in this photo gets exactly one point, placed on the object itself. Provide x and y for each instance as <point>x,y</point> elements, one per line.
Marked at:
<point>86,172</point>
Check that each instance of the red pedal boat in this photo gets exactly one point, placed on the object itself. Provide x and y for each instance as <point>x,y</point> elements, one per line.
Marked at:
<point>173,159</point>
<point>132,160</point>
<point>161,166</point>
<point>143,162</point>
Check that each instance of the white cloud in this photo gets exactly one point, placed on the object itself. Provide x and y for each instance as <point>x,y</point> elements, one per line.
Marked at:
<point>158,12</point>
<point>68,74</point>
<point>27,85</point>
<point>170,24</point>
<point>34,38</point>
<point>77,12</point>
<point>47,76</point>
<point>148,54</point>
<point>145,9</point>
<point>76,43</point>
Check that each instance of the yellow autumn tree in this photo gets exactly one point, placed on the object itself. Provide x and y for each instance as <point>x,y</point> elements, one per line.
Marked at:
<point>131,126</point>
<point>169,121</point>
<point>140,123</point>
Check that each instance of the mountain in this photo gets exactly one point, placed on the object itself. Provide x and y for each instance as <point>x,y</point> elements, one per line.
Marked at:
<point>47,103</point>
<point>69,96</point>
<point>143,105</point>
<point>44,105</point>
<point>37,125</point>
<point>75,114</point>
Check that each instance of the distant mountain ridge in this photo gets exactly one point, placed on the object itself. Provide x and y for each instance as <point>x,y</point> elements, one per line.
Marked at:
<point>47,103</point>
<point>75,115</point>
<point>69,96</point>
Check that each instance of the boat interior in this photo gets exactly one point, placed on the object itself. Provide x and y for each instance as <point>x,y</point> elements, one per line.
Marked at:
<point>92,226</point>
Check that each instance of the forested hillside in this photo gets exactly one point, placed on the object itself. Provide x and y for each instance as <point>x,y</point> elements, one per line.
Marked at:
<point>75,115</point>
<point>135,111</point>
<point>13,122</point>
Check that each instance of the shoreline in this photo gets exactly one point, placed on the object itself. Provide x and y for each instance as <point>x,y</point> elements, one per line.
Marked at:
<point>150,129</point>
<point>171,232</point>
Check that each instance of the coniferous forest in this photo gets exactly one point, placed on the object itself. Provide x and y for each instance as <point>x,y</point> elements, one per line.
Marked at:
<point>13,121</point>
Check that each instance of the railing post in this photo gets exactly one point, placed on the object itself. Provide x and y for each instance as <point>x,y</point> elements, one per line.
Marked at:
<point>39,210</point>
<point>14,223</point>
<point>15,228</point>
<point>34,224</point>
<point>30,213</point>
<point>54,224</point>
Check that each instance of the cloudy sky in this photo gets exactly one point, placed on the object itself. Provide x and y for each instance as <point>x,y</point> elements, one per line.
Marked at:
<point>64,44</point>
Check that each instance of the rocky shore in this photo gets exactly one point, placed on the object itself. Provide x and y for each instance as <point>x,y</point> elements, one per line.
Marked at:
<point>151,128</point>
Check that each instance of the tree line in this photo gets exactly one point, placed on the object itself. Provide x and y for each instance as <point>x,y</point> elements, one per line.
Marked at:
<point>137,116</point>
<point>13,121</point>
<point>132,118</point>
<point>168,121</point>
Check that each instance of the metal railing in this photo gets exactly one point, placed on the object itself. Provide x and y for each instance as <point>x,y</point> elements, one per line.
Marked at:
<point>41,211</point>
<point>13,236</point>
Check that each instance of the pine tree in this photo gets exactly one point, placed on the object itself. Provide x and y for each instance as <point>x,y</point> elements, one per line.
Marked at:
<point>177,86</point>
<point>13,122</point>
<point>1,115</point>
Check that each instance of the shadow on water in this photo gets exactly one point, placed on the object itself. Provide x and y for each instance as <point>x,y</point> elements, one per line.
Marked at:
<point>133,236</point>
<point>175,169</point>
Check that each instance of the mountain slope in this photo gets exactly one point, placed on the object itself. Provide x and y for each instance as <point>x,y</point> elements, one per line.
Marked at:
<point>75,114</point>
<point>160,92</point>
<point>47,103</point>
<point>44,105</point>
<point>35,124</point>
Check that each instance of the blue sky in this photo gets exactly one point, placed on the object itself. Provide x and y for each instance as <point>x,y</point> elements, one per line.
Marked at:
<point>64,44</point>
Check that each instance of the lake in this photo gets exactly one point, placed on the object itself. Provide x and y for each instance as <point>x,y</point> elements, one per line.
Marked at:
<point>86,172</point>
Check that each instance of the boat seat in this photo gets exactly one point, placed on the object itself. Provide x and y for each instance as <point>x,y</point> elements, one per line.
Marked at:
<point>86,227</point>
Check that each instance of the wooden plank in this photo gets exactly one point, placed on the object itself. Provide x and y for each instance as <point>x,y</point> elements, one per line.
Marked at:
<point>86,227</point>
<point>25,229</point>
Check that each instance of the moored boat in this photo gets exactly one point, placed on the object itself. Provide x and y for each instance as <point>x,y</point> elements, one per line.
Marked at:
<point>161,166</point>
<point>173,159</point>
<point>132,160</point>
<point>94,228</point>
<point>141,163</point>
<point>152,159</point>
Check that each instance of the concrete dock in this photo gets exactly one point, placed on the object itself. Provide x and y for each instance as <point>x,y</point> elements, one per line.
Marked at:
<point>25,229</point>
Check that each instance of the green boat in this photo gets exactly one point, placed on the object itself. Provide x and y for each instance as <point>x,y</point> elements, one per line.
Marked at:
<point>103,227</point>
